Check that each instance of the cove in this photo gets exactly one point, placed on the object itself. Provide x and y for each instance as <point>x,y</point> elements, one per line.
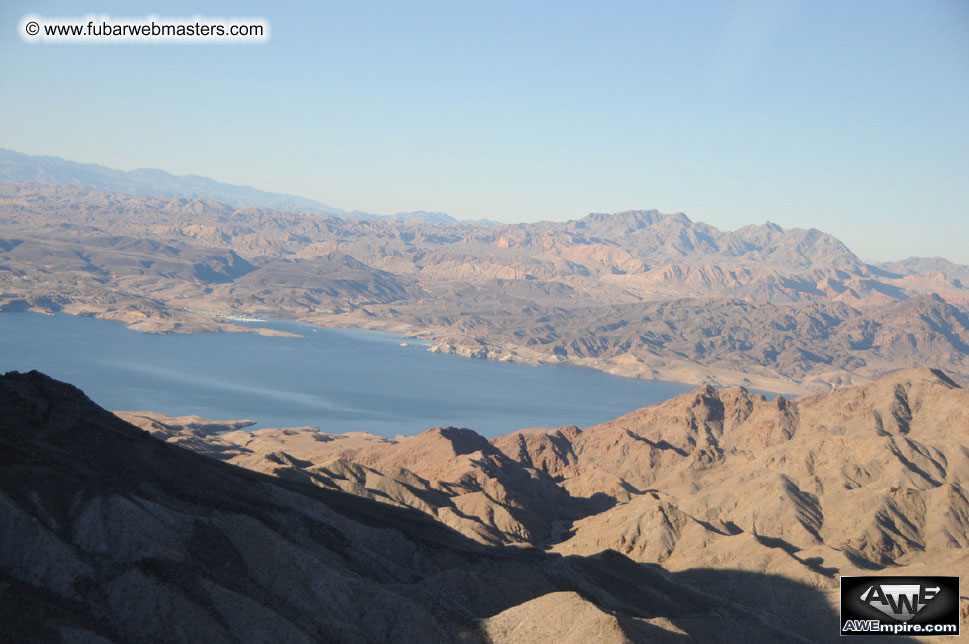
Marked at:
<point>336,379</point>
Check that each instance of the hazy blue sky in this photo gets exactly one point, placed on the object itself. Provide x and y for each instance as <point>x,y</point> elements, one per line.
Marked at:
<point>852,117</point>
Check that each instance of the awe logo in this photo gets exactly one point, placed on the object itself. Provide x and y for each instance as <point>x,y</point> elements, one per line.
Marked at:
<point>896,605</point>
<point>901,601</point>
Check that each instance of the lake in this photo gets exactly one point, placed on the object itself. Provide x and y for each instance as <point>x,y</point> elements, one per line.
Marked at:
<point>336,379</point>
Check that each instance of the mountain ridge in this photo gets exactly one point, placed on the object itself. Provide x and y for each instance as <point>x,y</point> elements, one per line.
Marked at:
<point>861,479</point>
<point>114,536</point>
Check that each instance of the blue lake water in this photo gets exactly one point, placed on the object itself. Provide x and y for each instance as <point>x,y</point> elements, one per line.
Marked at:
<point>338,380</point>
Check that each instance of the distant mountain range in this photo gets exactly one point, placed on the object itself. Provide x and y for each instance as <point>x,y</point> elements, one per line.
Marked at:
<point>15,166</point>
<point>150,182</point>
<point>636,293</point>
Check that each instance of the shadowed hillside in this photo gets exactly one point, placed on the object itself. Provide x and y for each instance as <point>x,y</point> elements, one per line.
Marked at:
<point>111,535</point>
<point>863,479</point>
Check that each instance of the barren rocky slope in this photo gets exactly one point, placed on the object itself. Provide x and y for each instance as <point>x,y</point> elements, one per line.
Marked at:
<point>868,478</point>
<point>637,293</point>
<point>111,535</point>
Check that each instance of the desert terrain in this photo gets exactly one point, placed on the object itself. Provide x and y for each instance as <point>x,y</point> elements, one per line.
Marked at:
<point>704,518</point>
<point>867,478</point>
<point>636,293</point>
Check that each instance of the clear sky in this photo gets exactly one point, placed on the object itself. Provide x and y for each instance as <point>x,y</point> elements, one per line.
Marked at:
<point>851,117</point>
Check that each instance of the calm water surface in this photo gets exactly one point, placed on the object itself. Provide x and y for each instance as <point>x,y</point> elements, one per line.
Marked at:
<point>338,380</point>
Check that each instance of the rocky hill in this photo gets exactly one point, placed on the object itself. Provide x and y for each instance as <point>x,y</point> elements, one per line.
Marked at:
<point>112,535</point>
<point>788,348</point>
<point>868,478</point>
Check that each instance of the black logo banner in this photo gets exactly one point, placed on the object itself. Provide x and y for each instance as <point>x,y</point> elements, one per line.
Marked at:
<point>899,606</point>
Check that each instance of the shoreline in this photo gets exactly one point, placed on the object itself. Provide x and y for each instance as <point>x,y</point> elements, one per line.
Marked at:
<point>626,366</point>
<point>199,321</point>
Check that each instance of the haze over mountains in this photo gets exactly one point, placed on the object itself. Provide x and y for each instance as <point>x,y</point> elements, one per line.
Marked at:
<point>638,293</point>
<point>151,182</point>
<point>49,170</point>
